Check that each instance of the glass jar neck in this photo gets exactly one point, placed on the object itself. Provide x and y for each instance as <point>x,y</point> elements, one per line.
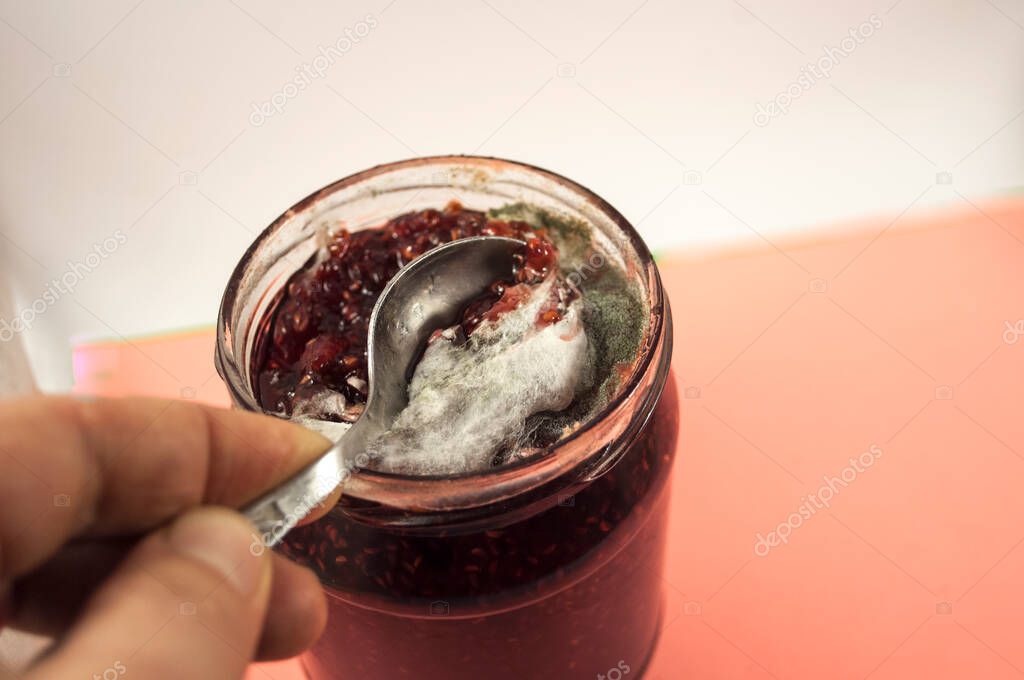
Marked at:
<point>383,192</point>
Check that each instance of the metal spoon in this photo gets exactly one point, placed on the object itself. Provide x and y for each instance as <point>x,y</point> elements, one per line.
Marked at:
<point>428,293</point>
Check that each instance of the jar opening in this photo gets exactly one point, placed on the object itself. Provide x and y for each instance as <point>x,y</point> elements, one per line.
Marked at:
<point>372,196</point>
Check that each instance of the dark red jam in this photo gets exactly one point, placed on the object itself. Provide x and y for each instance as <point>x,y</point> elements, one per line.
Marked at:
<point>563,587</point>
<point>317,331</point>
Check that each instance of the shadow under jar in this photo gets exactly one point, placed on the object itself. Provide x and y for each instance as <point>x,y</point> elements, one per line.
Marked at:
<point>548,567</point>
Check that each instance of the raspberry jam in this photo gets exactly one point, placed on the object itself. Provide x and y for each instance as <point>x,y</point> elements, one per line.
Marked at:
<point>545,567</point>
<point>561,590</point>
<point>318,331</point>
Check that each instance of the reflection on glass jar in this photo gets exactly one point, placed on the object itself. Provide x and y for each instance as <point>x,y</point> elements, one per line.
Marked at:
<point>545,567</point>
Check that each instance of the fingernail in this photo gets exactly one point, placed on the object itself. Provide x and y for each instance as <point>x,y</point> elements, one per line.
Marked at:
<point>220,539</point>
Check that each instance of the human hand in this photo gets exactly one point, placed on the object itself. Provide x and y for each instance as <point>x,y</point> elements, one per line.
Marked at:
<point>110,539</point>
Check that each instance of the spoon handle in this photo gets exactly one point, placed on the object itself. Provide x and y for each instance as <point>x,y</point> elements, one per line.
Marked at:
<point>278,511</point>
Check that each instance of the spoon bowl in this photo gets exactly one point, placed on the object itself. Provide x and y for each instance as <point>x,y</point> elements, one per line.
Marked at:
<point>427,294</point>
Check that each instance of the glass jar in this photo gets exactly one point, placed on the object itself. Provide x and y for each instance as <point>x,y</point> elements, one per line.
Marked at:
<point>546,568</point>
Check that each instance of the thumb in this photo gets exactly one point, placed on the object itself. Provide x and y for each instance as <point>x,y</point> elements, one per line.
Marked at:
<point>188,602</point>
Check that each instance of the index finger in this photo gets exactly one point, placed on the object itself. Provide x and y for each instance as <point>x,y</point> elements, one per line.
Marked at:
<point>122,466</point>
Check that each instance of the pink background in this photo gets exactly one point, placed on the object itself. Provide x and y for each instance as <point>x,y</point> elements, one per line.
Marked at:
<point>792,360</point>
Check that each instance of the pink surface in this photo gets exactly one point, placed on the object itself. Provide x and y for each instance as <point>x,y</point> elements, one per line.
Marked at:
<point>900,335</point>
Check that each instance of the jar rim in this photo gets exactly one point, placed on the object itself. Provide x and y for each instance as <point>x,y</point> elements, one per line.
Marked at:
<point>423,487</point>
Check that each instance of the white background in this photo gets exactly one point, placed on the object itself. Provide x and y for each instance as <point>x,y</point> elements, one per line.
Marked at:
<point>135,116</point>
